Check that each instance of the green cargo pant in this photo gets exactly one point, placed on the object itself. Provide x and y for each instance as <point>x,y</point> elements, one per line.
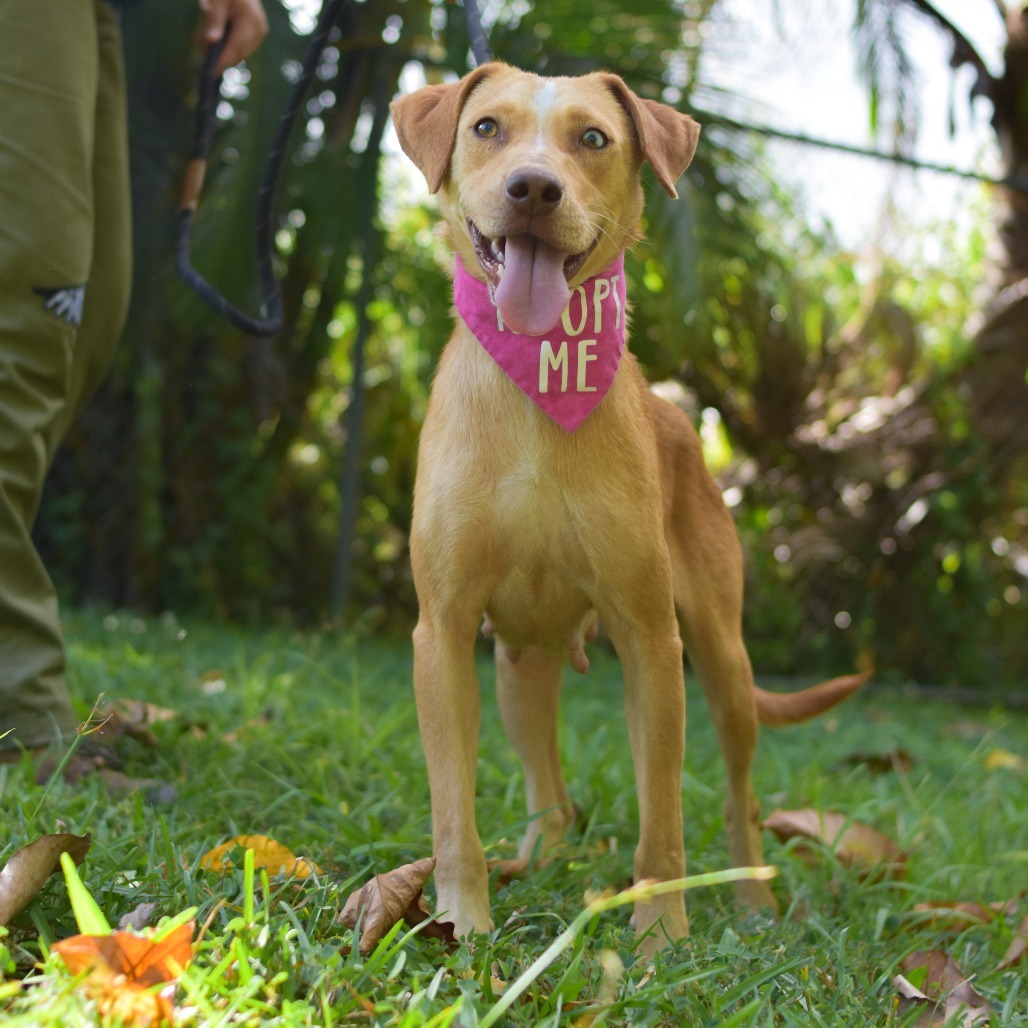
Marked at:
<point>65,267</point>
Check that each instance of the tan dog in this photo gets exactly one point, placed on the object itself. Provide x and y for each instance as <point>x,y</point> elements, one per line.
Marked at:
<point>540,530</point>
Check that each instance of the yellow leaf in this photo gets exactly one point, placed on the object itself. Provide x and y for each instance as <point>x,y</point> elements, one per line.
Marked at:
<point>267,853</point>
<point>1003,759</point>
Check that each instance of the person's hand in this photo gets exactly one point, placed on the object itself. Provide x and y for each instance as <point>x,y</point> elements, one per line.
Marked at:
<point>247,26</point>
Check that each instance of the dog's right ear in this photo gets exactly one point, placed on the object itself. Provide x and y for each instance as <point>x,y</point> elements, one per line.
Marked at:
<point>426,123</point>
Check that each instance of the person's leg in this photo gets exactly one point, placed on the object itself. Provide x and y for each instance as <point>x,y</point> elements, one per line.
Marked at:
<point>57,77</point>
<point>110,274</point>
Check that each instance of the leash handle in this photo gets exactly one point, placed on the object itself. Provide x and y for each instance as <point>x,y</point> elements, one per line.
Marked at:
<point>203,134</point>
<point>209,89</point>
<point>271,323</point>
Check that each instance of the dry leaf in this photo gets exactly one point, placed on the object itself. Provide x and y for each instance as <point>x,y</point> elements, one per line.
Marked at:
<point>267,853</point>
<point>894,759</point>
<point>945,991</point>
<point>130,717</point>
<point>29,868</point>
<point>262,720</point>
<point>957,915</point>
<point>1018,948</point>
<point>965,728</point>
<point>509,869</point>
<point>855,844</point>
<point>123,970</point>
<point>138,919</point>
<point>389,898</point>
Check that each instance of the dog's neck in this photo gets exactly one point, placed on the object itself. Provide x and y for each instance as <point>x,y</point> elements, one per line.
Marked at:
<point>567,371</point>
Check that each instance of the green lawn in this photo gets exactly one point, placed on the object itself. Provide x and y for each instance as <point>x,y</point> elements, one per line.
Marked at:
<point>312,740</point>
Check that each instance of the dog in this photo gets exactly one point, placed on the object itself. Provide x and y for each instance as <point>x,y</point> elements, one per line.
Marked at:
<point>553,488</point>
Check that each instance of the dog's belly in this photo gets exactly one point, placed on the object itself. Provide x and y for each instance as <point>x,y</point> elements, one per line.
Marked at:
<point>537,606</point>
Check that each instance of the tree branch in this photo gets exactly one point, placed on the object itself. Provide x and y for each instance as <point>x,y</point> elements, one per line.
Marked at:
<point>963,50</point>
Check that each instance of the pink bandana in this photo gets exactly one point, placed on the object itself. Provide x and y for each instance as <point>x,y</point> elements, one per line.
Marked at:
<point>568,370</point>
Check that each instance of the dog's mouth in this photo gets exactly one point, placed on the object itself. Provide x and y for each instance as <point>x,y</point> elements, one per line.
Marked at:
<point>528,278</point>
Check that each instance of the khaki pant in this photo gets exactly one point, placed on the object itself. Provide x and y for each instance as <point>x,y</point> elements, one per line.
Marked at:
<point>65,267</point>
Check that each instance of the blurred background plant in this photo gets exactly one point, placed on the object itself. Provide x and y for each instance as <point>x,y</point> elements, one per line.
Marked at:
<point>865,413</point>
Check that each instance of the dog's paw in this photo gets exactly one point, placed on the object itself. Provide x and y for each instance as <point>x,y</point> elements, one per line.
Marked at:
<point>660,922</point>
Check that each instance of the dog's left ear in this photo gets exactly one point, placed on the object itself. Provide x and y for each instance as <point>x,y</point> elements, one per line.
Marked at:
<point>426,123</point>
<point>667,137</point>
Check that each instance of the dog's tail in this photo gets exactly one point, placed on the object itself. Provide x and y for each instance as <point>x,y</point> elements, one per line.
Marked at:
<point>788,708</point>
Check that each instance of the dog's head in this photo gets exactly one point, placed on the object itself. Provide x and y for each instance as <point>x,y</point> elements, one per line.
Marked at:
<point>539,177</point>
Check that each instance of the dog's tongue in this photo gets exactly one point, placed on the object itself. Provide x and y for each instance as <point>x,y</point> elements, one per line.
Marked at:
<point>533,291</point>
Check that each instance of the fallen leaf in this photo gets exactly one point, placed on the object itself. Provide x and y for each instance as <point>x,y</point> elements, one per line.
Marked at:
<point>416,912</point>
<point>999,759</point>
<point>1018,948</point>
<point>945,991</point>
<point>212,682</point>
<point>965,728</point>
<point>894,759</point>
<point>138,919</point>
<point>957,915</point>
<point>509,869</point>
<point>154,791</point>
<point>910,996</point>
<point>29,868</point>
<point>262,720</point>
<point>854,843</point>
<point>123,971</point>
<point>389,898</point>
<point>267,853</point>
<point>129,717</point>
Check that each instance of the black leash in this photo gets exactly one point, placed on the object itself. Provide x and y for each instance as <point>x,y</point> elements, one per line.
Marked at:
<point>209,90</point>
<point>271,323</point>
<point>479,40</point>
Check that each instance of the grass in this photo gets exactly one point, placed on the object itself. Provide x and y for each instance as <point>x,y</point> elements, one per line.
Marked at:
<point>312,739</point>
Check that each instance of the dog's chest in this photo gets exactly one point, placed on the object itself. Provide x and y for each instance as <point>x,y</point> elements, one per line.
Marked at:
<point>547,576</point>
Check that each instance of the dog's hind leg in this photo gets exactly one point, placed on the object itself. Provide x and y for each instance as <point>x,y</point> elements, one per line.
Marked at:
<point>712,633</point>
<point>723,668</point>
<point>528,692</point>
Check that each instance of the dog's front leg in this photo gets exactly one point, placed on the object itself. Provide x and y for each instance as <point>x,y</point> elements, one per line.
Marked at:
<point>447,695</point>
<point>650,650</point>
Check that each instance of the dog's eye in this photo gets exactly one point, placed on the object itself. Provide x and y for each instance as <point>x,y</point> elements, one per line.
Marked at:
<point>594,139</point>
<point>487,129</point>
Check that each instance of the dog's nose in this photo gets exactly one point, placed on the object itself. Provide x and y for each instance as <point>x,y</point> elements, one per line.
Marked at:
<point>535,190</point>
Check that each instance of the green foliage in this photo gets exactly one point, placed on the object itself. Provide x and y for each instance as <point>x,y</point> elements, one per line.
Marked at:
<point>837,400</point>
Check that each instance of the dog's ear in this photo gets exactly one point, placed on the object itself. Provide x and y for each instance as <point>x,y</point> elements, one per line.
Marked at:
<point>426,123</point>
<point>667,137</point>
